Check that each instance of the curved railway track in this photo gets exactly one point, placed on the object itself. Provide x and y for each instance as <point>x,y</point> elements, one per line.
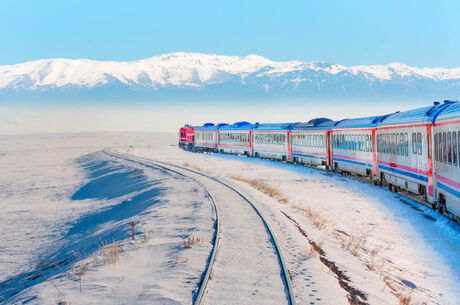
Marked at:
<point>216,244</point>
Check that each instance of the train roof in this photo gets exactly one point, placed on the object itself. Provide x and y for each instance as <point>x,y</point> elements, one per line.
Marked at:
<point>371,121</point>
<point>419,115</point>
<point>450,112</point>
<point>275,126</point>
<point>239,126</point>
<point>315,124</point>
<point>210,126</point>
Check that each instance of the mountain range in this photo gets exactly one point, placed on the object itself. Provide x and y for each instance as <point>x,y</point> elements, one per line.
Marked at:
<point>194,75</point>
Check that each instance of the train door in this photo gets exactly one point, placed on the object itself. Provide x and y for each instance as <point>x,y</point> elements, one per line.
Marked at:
<point>430,159</point>
<point>289,146</point>
<point>329,148</point>
<point>374,153</point>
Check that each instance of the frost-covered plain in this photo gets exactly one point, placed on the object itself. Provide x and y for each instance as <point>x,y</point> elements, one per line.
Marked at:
<point>54,199</point>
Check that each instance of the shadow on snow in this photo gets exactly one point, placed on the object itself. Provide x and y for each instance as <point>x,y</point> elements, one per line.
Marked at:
<point>108,180</point>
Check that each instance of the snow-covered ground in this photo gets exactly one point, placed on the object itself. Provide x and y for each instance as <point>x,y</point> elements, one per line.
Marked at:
<point>58,194</point>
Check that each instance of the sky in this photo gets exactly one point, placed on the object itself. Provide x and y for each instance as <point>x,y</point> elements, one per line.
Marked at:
<point>419,33</point>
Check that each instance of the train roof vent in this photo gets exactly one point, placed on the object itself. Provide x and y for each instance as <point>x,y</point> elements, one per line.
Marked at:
<point>239,124</point>
<point>221,124</point>
<point>317,121</point>
<point>449,102</point>
<point>208,124</point>
<point>436,103</point>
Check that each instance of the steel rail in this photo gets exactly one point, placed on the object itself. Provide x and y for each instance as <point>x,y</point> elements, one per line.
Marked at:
<point>212,257</point>
<point>286,276</point>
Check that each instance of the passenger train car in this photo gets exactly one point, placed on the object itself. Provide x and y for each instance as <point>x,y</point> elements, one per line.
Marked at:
<point>272,141</point>
<point>309,142</point>
<point>404,150</point>
<point>236,138</point>
<point>353,146</point>
<point>446,158</point>
<point>416,150</point>
<point>207,137</point>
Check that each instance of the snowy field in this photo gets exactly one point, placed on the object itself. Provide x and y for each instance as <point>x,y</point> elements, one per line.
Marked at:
<point>66,209</point>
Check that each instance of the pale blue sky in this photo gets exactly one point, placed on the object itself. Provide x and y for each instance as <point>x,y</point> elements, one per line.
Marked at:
<point>421,33</point>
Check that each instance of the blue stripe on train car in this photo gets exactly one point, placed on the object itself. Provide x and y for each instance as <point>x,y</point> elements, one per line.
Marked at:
<point>404,173</point>
<point>449,189</point>
<point>309,156</point>
<point>354,162</point>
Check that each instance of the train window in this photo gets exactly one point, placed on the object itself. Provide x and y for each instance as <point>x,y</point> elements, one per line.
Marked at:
<point>367,143</point>
<point>398,146</point>
<point>379,147</point>
<point>444,147</point>
<point>436,146</point>
<point>384,143</point>
<point>449,147</point>
<point>401,144</point>
<point>414,143</point>
<point>388,144</point>
<point>440,147</point>
<point>406,145</point>
<point>419,143</point>
<point>392,143</point>
<point>454,148</point>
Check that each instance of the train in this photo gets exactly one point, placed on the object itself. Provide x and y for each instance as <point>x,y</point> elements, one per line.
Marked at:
<point>417,151</point>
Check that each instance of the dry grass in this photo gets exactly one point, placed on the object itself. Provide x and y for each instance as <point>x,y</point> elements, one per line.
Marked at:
<point>188,243</point>
<point>188,164</point>
<point>263,187</point>
<point>110,252</point>
<point>146,238</point>
<point>131,229</point>
<point>315,250</point>
<point>404,299</point>
<point>62,301</point>
<point>78,271</point>
<point>354,243</point>
<point>317,219</point>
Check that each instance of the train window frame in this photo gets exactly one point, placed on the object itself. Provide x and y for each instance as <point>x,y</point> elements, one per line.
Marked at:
<point>384,143</point>
<point>436,146</point>
<point>367,143</point>
<point>449,147</point>
<point>440,147</point>
<point>444,147</point>
<point>419,143</point>
<point>454,148</point>
<point>406,144</point>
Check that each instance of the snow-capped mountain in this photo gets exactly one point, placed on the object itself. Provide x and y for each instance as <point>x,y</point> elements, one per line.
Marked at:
<point>208,74</point>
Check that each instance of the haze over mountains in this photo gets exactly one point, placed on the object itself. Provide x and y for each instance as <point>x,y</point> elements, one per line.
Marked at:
<point>194,75</point>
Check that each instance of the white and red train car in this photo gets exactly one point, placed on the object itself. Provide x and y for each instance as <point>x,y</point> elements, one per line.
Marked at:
<point>236,138</point>
<point>446,159</point>
<point>207,137</point>
<point>273,141</point>
<point>404,148</point>
<point>310,142</point>
<point>353,146</point>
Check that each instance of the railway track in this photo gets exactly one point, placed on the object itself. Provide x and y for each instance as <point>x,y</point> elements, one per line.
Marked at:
<point>228,255</point>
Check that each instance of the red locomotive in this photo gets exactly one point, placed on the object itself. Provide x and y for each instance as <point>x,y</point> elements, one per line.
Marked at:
<point>187,137</point>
